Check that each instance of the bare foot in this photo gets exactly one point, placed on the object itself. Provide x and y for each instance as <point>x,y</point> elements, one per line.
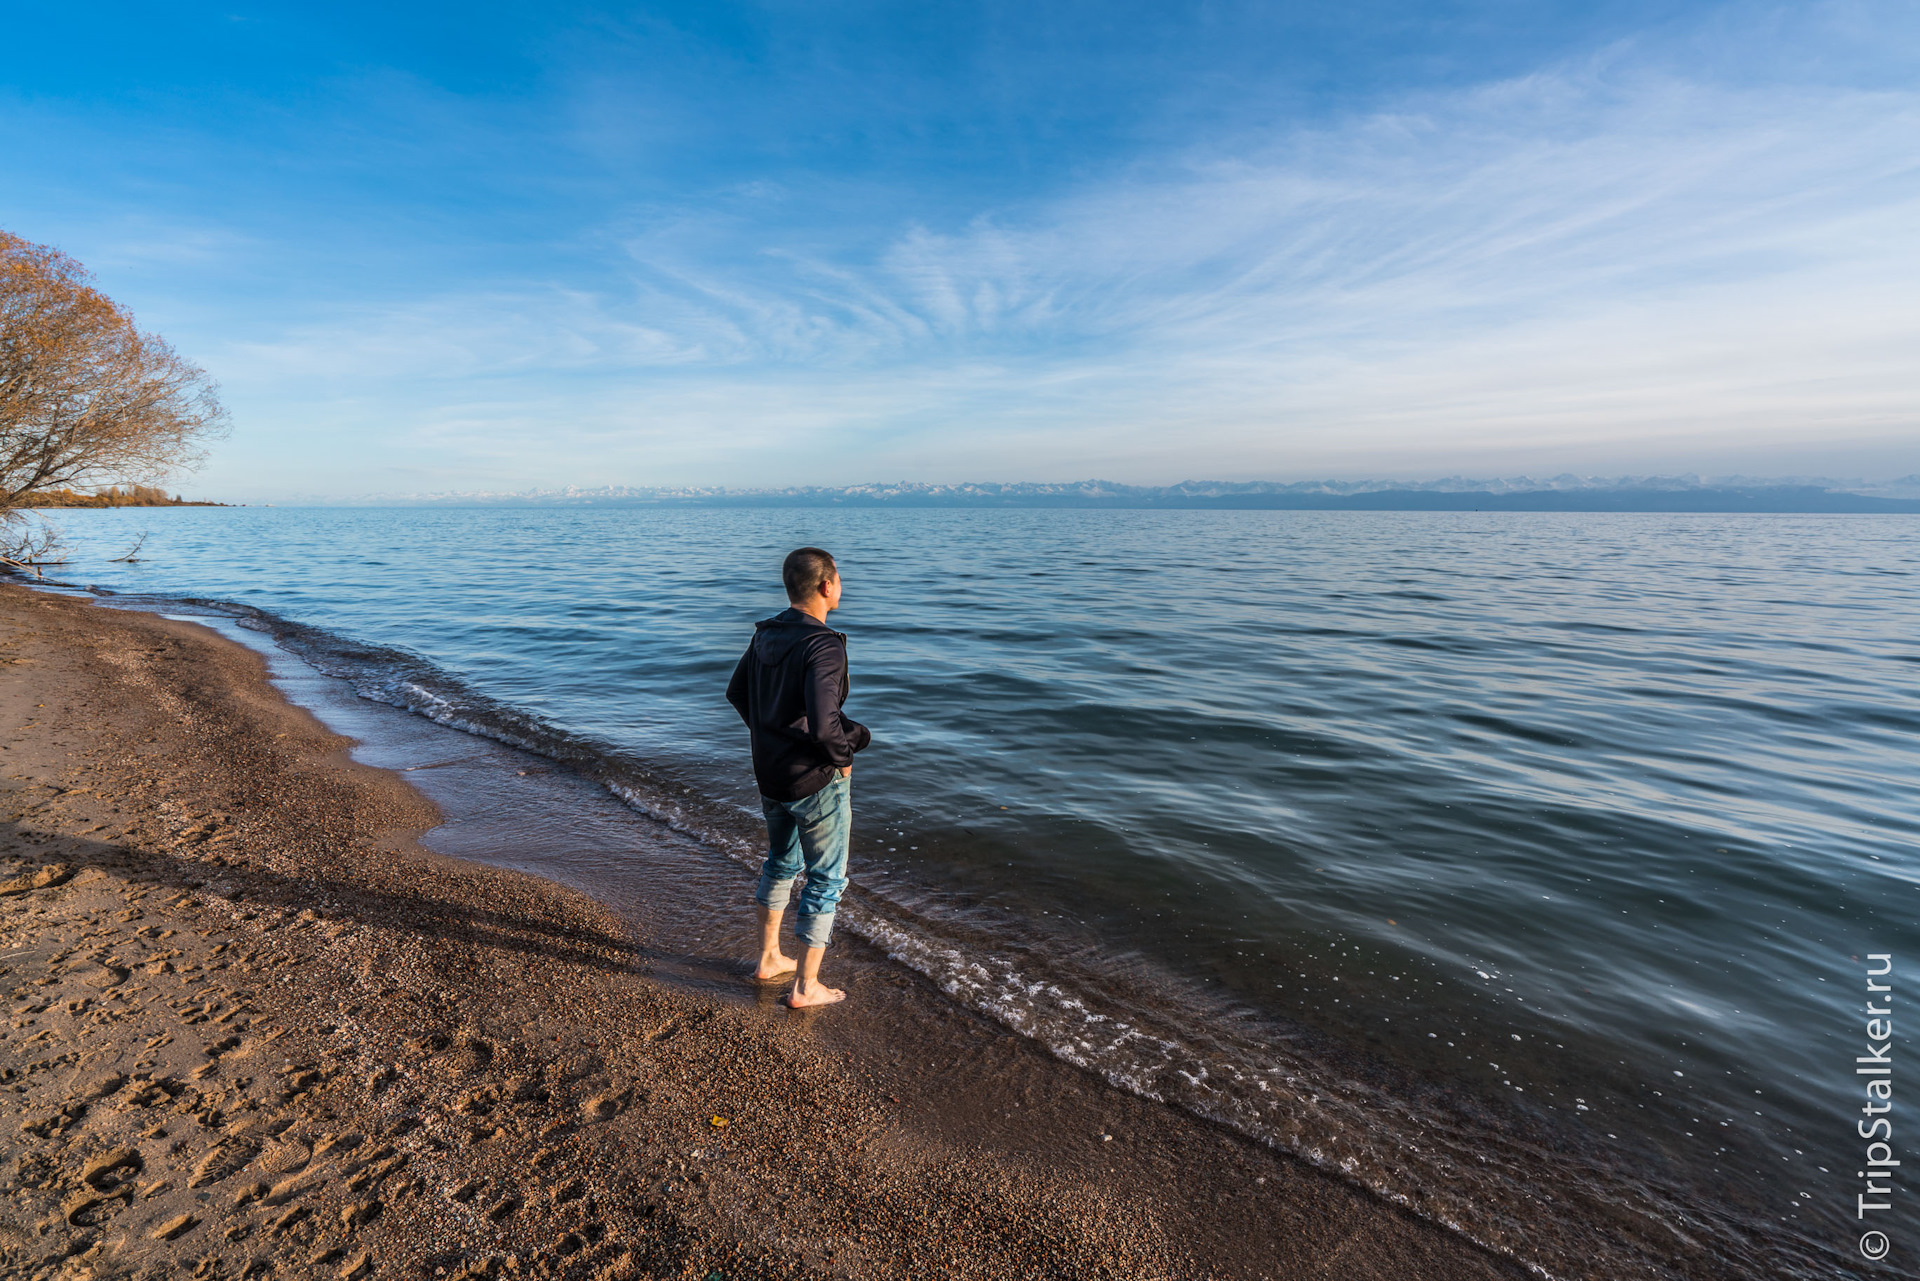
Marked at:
<point>775,965</point>
<point>816,994</point>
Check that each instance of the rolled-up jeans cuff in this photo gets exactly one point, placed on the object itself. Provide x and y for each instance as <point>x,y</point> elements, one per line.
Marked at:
<point>774,895</point>
<point>814,930</point>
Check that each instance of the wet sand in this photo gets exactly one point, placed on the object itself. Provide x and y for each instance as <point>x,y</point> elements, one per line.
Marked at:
<point>256,1028</point>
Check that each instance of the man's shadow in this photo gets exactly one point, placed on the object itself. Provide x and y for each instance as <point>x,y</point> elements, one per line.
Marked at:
<point>251,886</point>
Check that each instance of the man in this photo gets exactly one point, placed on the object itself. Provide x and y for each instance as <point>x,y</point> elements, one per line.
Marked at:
<point>788,688</point>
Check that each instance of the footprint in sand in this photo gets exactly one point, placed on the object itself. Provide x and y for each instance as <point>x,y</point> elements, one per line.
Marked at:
<point>471,1054</point>
<point>289,1188</point>
<point>360,1213</point>
<point>83,1209</point>
<point>605,1107</point>
<point>105,976</point>
<point>528,1089</point>
<point>287,1220</point>
<point>103,1086</point>
<point>109,1168</point>
<point>336,1143</point>
<point>225,1158</point>
<point>281,1159</point>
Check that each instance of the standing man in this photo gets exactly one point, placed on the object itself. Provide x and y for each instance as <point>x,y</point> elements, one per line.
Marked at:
<point>788,688</point>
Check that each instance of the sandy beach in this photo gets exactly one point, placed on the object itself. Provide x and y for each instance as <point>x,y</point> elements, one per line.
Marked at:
<point>255,1029</point>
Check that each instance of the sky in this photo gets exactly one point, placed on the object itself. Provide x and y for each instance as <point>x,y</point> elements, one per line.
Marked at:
<point>493,247</point>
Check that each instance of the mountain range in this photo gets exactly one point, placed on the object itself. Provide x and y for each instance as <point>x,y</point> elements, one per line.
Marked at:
<point>1558,493</point>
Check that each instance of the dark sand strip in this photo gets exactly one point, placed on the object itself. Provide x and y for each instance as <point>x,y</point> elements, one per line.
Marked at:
<point>254,1029</point>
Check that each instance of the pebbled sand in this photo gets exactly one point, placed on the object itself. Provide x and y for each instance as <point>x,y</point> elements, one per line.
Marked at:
<point>254,1030</point>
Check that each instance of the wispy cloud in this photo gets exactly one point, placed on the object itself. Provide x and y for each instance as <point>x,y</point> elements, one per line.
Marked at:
<point>1606,264</point>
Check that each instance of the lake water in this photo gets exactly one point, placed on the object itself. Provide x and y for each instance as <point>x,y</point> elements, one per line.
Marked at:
<point>1523,867</point>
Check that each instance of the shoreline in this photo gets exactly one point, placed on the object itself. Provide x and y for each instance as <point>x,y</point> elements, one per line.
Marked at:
<point>488,1025</point>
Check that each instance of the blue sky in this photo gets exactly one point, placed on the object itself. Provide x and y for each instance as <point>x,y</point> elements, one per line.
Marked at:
<point>496,246</point>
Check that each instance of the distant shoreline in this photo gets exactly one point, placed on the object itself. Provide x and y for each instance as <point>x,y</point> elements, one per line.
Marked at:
<point>1700,499</point>
<point>137,496</point>
<point>1702,502</point>
<point>1805,495</point>
<point>1785,502</point>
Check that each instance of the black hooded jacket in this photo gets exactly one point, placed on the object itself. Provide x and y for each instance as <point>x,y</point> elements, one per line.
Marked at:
<point>788,688</point>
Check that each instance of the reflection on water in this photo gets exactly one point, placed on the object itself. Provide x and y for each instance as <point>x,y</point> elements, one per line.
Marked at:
<point>1489,858</point>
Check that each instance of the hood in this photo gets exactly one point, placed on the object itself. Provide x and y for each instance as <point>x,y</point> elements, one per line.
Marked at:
<point>777,637</point>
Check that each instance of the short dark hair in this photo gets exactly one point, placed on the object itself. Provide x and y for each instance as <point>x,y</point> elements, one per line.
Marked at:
<point>805,571</point>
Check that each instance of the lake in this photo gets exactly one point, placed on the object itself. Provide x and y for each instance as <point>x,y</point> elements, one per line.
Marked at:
<point>1521,866</point>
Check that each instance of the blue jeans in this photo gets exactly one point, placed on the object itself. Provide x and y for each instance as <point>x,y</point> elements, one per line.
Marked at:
<point>811,833</point>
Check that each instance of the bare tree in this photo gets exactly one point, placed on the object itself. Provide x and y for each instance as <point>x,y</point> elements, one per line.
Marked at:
<point>85,396</point>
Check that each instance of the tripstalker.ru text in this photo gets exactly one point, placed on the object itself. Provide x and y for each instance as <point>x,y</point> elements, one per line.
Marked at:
<point>1876,1066</point>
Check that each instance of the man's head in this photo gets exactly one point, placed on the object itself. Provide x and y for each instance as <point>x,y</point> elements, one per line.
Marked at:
<point>812,579</point>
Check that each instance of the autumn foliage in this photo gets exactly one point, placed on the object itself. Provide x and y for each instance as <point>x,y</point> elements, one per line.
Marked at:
<point>86,397</point>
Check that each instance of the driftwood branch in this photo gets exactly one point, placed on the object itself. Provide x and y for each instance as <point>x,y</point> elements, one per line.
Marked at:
<point>34,565</point>
<point>25,542</point>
